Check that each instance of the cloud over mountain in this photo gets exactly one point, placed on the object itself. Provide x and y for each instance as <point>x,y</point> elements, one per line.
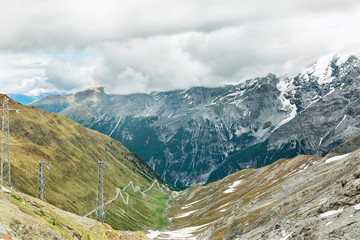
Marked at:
<point>133,46</point>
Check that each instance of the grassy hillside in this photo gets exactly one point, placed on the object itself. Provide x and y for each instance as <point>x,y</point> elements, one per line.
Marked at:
<point>24,217</point>
<point>73,152</point>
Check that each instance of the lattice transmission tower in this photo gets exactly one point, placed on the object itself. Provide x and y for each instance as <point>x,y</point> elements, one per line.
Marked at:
<point>40,193</point>
<point>5,143</point>
<point>100,201</point>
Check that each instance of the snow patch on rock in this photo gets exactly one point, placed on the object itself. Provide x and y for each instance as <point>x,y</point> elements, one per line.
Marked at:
<point>286,237</point>
<point>336,158</point>
<point>190,204</point>
<point>184,233</point>
<point>184,214</point>
<point>332,212</point>
<point>233,186</point>
<point>357,206</point>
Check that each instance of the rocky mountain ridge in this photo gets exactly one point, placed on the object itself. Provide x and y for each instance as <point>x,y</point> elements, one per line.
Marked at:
<point>203,134</point>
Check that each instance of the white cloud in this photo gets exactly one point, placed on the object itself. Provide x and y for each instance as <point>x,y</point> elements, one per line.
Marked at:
<point>67,77</point>
<point>20,73</point>
<point>160,61</point>
<point>129,81</point>
<point>34,73</point>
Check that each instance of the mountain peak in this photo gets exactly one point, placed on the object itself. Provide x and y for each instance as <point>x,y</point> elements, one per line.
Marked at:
<point>327,67</point>
<point>89,95</point>
<point>100,90</point>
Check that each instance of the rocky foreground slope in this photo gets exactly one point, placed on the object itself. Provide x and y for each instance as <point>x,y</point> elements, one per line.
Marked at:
<point>73,152</point>
<point>306,197</point>
<point>203,134</point>
<point>23,217</point>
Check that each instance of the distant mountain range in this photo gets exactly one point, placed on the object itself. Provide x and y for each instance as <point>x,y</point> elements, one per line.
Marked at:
<point>203,134</point>
<point>27,99</point>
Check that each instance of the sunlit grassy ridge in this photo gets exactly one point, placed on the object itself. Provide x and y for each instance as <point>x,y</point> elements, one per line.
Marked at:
<point>73,152</point>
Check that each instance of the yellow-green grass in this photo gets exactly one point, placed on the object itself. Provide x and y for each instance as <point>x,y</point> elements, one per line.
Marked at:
<point>73,152</point>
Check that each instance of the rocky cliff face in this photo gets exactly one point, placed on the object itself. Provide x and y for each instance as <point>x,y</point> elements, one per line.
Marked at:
<point>203,134</point>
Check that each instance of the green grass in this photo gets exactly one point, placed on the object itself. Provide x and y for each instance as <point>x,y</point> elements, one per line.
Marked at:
<point>15,197</point>
<point>141,213</point>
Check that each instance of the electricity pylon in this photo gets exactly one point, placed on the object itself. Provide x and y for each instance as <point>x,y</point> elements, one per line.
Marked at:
<point>41,181</point>
<point>5,143</point>
<point>100,201</point>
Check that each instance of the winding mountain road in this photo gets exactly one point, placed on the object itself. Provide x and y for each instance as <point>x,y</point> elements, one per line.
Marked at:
<point>135,189</point>
<point>107,203</point>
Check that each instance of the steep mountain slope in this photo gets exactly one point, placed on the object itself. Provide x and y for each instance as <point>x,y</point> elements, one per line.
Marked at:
<point>24,217</point>
<point>203,134</point>
<point>306,197</point>
<point>349,145</point>
<point>326,99</point>
<point>73,152</point>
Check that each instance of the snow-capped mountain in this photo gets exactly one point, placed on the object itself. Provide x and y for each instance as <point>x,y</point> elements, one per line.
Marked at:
<point>203,134</point>
<point>326,101</point>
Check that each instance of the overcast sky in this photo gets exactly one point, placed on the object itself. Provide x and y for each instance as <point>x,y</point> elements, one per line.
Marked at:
<point>143,46</point>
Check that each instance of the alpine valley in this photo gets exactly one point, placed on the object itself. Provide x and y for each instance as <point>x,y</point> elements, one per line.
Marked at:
<point>135,198</point>
<point>200,135</point>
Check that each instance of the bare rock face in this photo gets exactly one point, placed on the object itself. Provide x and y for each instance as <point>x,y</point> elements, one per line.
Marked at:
<point>202,134</point>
